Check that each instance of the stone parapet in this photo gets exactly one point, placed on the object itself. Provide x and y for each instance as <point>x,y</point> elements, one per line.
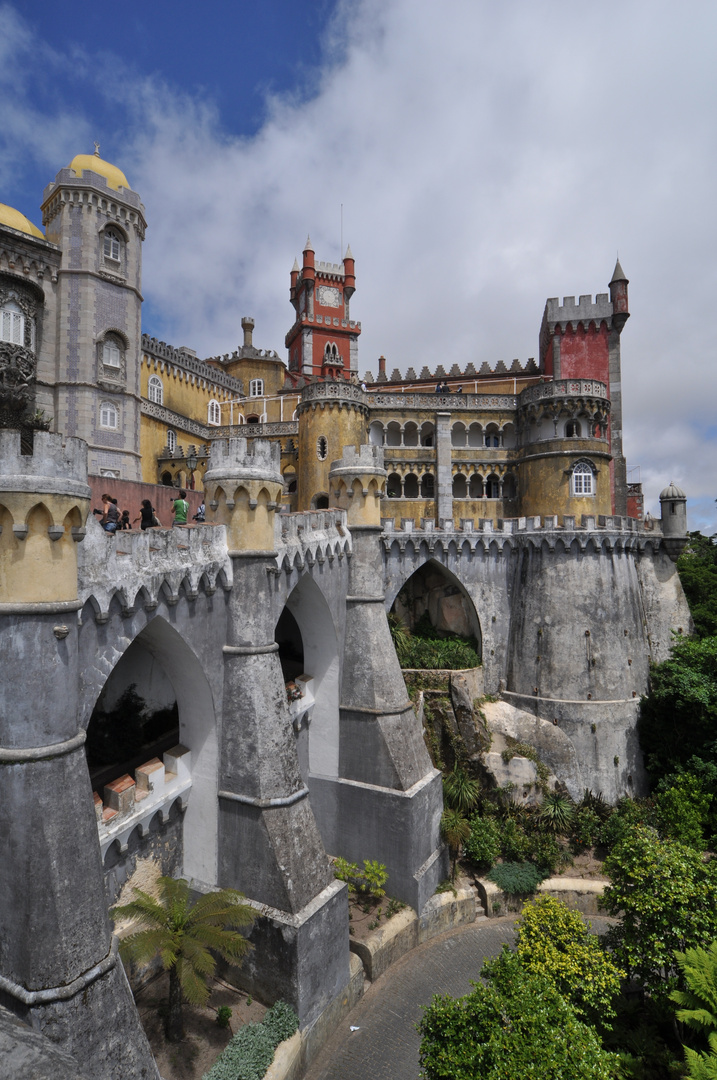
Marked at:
<point>56,465</point>
<point>382,401</point>
<point>584,312</point>
<point>561,388</point>
<point>316,536</point>
<point>338,392</point>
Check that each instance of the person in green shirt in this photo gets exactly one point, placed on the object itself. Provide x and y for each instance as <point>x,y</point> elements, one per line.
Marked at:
<point>180,508</point>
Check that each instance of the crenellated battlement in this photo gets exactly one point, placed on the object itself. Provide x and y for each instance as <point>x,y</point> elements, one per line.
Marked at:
<point>585,311</point>
<point>548,524</point>
<point>244,457</point>
<point>469,373</point>
<point>58,464</point>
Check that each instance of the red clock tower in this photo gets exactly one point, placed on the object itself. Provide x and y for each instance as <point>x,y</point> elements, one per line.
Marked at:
<point>323,342</point>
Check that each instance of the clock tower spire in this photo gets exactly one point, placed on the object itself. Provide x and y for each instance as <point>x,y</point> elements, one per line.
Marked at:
<point>323,342</point>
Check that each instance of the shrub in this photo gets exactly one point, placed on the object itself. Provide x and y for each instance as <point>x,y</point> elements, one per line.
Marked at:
<point>516,879</point>
<point>513,1025</point>
<point>426,647</point>
<point>682,809</point>
<point>460,791</point>
<point>483,844</point>
<point>224,1015</point>
<point>556,812</point>
<point>251,1051</point>
<point>587,828</point>
<point>545,851</point>
<point>555,942</point>
<point>514,843</point>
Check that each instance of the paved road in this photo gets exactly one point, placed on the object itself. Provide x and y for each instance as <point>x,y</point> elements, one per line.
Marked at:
<point>386,1045</point>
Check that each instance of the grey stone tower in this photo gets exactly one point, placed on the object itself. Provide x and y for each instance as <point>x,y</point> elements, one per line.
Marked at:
<point>91,382</point>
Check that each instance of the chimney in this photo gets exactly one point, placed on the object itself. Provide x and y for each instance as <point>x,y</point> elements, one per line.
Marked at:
<point>247,325</point>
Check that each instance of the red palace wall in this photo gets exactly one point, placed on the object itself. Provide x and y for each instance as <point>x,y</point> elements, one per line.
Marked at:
<point>129,495</point>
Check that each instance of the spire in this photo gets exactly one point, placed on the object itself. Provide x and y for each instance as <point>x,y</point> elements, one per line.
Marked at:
<point>295,267</point>
<point>308,246</point>
<point>618,273</point>
<point>349,253</point>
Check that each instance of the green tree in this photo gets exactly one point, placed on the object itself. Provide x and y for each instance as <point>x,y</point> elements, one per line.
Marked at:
<point>678,719</point>
<point>698,1007</point>
<point>513,1026</point>
<point>182,934</point>
<point>555,942</point>
<point>682,809</point>
<point>664,893</point>
<point>697,566</point>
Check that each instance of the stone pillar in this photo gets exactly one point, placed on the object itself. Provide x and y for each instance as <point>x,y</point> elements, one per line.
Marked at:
<point>444,479</point>
<point>269,843</point>
<point>389,795</point>
<point>59,968</point>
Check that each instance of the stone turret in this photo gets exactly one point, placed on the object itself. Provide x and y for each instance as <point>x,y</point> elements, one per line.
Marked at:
<point>358,481</point>
<point>331,415</point>
<point>59,966</point>
<point>44,500</point>
<point>242,487</point>
<point>673,519</point>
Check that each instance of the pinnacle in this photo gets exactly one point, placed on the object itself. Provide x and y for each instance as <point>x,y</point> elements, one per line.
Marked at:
<point>308,246</point>
<point>349,253</point>
<point>295,267</point>
<point>618,273</point>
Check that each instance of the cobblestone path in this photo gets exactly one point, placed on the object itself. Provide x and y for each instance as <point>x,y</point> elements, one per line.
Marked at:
<point>386,1045</point>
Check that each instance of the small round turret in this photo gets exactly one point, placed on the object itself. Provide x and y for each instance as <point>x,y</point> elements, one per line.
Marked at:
<point>618,295</point>
<point>673,519</point>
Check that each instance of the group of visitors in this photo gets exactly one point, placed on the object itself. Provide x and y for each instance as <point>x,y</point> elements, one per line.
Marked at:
<point>444,388</point>
<point>112,521</point>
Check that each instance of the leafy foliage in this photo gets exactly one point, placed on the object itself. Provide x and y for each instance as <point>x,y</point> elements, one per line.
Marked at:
<point>664,893</point>
<point>426,647</point>
<point>697,566</point>
<point>514,1026</point>
<point>682,809</point>
<point>678,719</point>
<point>367,882</point>
<point>483,843</point>
<point>251,1051</point>
<point>185,935</point>
<point>516,879</point>
<point>698,1007</point>
<point>587,828</point>
<point>555,942</point>
<point>460,791</point>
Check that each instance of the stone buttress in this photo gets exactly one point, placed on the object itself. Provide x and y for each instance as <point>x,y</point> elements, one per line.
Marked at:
<point>389,796</point>
<point>59,968</point>
<point>269,843</point>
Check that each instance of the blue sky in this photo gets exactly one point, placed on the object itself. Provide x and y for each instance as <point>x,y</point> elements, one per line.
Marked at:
<point>487,156</point>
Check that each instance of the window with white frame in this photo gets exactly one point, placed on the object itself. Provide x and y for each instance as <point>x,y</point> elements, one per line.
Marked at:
<point>111,353</point>
<point>155,390</point>
<point>12,326</point>
<point>582,481</point>
<point>109,416</point>
<point>171,440</point>
<point>112,245</point>
<point>256,388</point>
<point>214,413</point>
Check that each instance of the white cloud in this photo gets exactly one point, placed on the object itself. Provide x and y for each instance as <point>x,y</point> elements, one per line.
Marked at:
<point>487,156</point>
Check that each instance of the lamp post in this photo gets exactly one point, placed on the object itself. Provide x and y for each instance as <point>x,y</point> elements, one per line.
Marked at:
<point>191,460</point>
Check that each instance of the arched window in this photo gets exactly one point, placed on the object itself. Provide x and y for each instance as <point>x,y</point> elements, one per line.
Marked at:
<point>460,489</point>
<point>458,435</point>
<point>410,434</point>
<point>322,448</point>
<point>109,417</point>
<point>410,486</point>
<point>492,439</point>
<point>112,245</point>
<point>155,390</point>
<point>256,388</point>
<point>492,487</point>
<point>111,352</point>
<point>572,429</point>
<point>393,486</point>
<point>427,486</point>
<point>582,481</point>
<point>252,418</point>
<point>475,486</point>
<point>171,440</point>
<point>214,413</point>
<point>12,326</point>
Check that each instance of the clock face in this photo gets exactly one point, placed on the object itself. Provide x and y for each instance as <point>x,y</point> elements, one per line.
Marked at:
<point>328,296</point>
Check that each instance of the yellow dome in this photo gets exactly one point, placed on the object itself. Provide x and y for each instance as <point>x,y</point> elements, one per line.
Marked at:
<point>16,220</point>
<point>92,163</point>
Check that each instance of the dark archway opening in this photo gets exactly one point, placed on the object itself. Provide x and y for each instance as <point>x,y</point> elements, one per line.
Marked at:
<point>291,646</point>
<point>434,604</point>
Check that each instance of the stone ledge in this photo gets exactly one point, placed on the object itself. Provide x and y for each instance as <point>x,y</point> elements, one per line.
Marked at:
<point>580,894</point>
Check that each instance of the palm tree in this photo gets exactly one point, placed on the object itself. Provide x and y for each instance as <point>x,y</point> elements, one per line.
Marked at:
<point>460,791</point>
<point>455,830</point>
<point>183,934</point>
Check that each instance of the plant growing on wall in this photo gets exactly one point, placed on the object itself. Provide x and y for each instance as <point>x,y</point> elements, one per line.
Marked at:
<point>184,936</point>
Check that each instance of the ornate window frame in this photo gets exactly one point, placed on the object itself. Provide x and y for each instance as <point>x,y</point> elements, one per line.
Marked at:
<point>155,390</point>
<point>214,413</point>
<point>109,416</point>
<point>583,479</point>
<point>22,321</point>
